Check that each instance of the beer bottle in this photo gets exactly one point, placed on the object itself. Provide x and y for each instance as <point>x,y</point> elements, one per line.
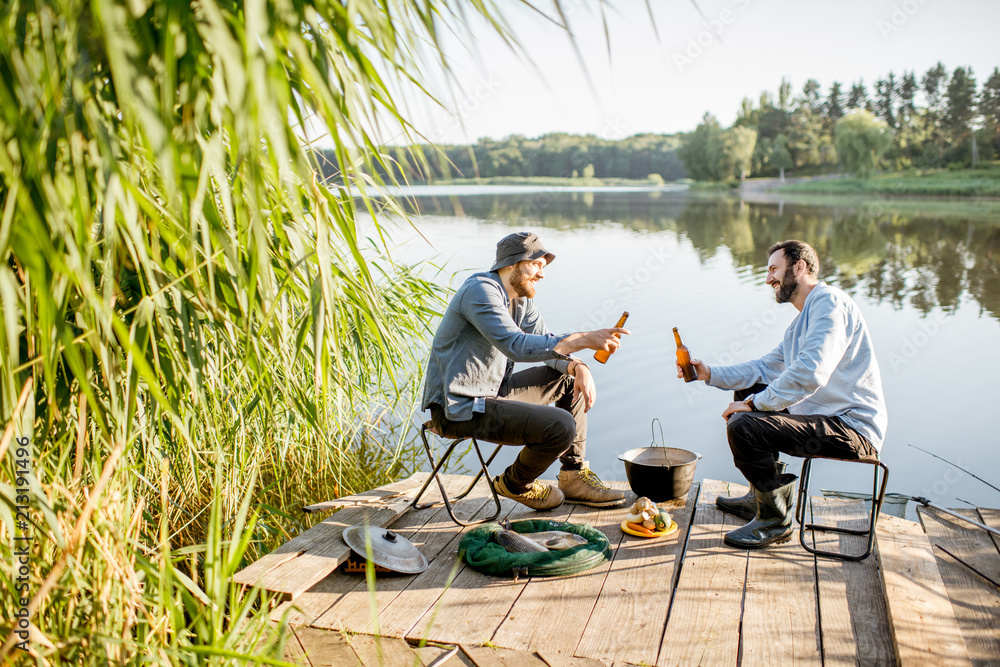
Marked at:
<point>602,355</point>
<point>684,359</point>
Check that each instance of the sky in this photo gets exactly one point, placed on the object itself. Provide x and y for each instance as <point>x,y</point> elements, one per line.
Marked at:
<point>700,61</point>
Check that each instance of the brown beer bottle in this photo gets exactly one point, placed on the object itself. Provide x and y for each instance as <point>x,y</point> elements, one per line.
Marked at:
<point>684,359</point>
<point>602,355</point>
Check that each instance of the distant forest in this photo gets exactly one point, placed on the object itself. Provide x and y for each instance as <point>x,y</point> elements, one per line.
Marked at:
<point>927,121</point>
<point>557,155</point>
<point>934,120</point>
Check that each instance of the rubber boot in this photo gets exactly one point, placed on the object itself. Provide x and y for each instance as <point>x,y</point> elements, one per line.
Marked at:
<point>745,507</point>
<point>773,522</point>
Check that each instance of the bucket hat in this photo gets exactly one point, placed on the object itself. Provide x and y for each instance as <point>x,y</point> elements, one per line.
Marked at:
<point>520,246</point>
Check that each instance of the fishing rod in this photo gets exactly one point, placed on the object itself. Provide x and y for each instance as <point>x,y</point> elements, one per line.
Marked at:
<point>957,466</point>
<point>926,503</point>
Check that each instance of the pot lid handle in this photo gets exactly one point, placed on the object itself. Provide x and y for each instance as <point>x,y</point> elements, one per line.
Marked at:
<point>390,536</point>
<point>656,422</point>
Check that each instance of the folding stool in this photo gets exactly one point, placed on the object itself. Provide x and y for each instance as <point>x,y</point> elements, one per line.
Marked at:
<point>878,494</point>
<point>436,466</point>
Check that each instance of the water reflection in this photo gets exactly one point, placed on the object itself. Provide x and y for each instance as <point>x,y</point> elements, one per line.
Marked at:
<point>923,259</point>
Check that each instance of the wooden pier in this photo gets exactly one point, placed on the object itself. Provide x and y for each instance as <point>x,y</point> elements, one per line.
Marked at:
<point>684,599</point>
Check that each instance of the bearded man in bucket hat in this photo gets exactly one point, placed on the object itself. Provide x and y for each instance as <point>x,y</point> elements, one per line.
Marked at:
<point>472,390</point>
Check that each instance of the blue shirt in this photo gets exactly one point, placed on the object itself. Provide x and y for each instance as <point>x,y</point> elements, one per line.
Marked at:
<point>477,343</point>
<point>824,366</point>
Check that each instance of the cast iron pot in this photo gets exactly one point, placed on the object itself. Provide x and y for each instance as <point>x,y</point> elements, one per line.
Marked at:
<point>660,473</point>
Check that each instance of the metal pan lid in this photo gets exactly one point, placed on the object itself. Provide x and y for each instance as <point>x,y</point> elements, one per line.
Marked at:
<point>390,550</point>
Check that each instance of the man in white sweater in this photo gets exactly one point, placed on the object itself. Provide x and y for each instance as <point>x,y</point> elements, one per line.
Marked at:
<point>819,393</point>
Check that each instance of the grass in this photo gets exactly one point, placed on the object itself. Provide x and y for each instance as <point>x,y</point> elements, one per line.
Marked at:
<point>980,182</point>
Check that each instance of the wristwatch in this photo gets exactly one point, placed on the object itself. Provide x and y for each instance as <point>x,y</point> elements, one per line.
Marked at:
<point>749,401</point>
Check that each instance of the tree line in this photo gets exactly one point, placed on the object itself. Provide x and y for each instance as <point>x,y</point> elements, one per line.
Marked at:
<point>934,120</point>
<point>555,155</point>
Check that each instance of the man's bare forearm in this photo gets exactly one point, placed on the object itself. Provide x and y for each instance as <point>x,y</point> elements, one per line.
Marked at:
<point>572,343</point>
<point>602,339</point>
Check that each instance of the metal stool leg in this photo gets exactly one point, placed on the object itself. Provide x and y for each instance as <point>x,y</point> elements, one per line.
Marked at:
<point>485,467</point>
<point>436,467</point>
<point>878,495</point>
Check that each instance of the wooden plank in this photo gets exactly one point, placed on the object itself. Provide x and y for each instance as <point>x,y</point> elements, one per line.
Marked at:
<point>635,598</point>
<point>400,615</point>
<point>780,626</point>
<point>353,610</point>
<point>263,641</point>
<point>991,517</point>
<point>312,604</point>
<point>560,660</point>
<point>428,654</point>
<point>382,651</point>
<point>920,613</point>
<point>489,656</point>
<point>408,486</point>
<point>976,602</point>
<point>317,540</point>
<point>492,597</point>
<point>704,622</point>
<point>325,550</point>
<point>293,650</point>
<point>326,649</point>
<point>562,602</point>
<point>325,554</point>
<point>323,541</point>
<point>853,616</point>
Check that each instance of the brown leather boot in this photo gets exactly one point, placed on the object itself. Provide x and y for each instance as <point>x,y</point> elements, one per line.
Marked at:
<point>583,487</point>
<point>539,497</point>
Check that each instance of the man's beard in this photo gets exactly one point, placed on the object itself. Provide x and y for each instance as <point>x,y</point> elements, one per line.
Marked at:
<point>788,287</point>
<point>521,284</point>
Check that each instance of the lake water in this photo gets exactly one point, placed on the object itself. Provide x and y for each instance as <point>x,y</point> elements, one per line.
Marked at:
<point>928,285</point>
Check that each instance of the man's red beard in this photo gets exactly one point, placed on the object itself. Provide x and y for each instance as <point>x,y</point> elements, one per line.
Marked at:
<point>523,286</point>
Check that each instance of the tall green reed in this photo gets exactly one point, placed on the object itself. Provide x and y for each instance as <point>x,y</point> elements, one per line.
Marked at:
<point>197,334</point>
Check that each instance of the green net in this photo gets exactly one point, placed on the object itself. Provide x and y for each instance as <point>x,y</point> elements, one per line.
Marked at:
<point>481,551</point>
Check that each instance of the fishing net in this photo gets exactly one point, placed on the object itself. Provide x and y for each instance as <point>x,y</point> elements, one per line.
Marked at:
<point>481,551</point>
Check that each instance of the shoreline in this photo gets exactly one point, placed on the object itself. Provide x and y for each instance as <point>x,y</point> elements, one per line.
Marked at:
<point>758,193</point>
<point>763,189</point>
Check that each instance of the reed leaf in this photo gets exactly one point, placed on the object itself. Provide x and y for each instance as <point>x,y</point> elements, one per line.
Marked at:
<point>198,336</point>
